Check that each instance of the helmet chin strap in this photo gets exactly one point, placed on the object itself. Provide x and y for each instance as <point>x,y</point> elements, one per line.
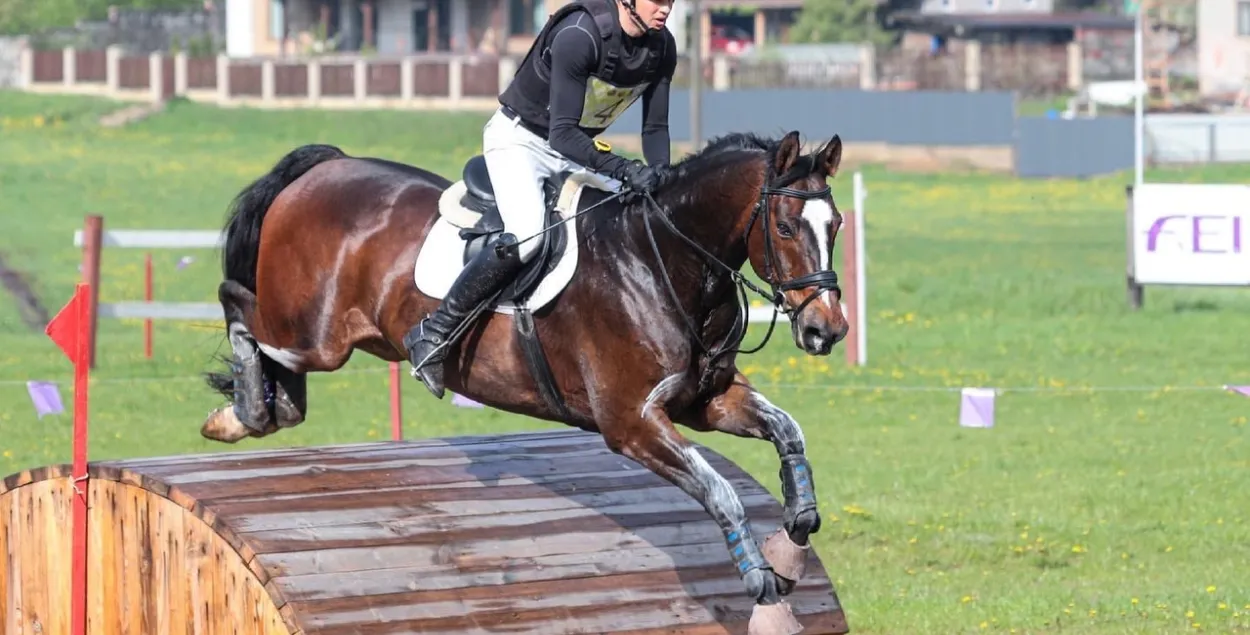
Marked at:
<point>633,14</point>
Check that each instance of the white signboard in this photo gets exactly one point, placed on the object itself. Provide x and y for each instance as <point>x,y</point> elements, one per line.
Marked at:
<point>1189,233</point>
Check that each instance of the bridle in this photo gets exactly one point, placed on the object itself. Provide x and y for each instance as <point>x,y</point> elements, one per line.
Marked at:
<point>822,280</point>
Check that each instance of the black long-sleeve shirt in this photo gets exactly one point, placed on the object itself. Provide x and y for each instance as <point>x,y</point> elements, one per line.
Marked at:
<point>574,52</point>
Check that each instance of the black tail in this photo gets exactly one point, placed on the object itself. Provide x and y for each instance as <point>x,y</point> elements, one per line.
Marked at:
<point>247,212</point>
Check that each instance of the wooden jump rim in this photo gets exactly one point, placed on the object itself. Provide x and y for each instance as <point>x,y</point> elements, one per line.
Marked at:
<point>540,532</point>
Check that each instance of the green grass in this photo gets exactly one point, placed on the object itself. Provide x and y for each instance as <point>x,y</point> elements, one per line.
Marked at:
<point>1109,498</point>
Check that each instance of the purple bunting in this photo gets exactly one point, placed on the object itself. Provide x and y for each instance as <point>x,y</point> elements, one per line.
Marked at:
<point>46,397</point>
<point>976,408</point>
<point>1244,391</point>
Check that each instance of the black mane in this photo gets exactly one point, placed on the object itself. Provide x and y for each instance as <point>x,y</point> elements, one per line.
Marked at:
<point>688,177</point>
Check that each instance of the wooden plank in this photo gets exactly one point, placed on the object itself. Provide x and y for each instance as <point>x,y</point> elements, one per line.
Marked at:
<point>416,532</point>
<point>470,551</point>
<point>708,595</point>
<point>435,446</point>
<point>654,495</point>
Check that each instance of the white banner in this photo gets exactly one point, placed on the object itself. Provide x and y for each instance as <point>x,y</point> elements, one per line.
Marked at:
<point>1189,233</point>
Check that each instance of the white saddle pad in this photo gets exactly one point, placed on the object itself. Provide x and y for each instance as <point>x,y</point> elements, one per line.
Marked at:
<point>440,260</point>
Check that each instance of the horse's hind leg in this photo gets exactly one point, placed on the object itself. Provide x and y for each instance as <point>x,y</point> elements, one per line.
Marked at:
<point>249,413</point>
<point>290,404</point>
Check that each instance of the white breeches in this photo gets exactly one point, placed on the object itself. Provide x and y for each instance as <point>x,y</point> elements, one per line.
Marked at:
<point>518,161</point>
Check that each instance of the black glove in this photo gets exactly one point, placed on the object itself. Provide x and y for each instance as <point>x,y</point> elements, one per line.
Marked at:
<point>639,177</point>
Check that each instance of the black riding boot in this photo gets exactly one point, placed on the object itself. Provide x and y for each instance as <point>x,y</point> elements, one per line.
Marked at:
<point>488,272</point>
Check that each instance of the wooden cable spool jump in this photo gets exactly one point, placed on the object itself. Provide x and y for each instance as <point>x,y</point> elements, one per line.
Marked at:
<point>542,532</point>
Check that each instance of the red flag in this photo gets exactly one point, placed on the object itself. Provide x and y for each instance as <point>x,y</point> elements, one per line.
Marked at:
<point>63,329</point>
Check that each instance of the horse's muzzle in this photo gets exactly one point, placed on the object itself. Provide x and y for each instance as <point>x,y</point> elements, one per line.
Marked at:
<point>817,336</point>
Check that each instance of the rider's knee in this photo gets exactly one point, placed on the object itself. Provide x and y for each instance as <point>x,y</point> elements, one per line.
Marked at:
<point>528,248</point>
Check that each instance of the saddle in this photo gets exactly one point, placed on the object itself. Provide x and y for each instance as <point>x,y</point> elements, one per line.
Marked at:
<point>469,207</point>
<point>479,196</point>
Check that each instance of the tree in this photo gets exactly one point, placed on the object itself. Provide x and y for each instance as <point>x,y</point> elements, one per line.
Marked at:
<point>855,21</point>
<point>31,16</point>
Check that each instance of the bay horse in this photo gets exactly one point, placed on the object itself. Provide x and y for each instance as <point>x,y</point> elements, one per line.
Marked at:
<point>319,260</point>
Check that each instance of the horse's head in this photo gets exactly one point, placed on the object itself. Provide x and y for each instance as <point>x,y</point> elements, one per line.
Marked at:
<point>790,238</point>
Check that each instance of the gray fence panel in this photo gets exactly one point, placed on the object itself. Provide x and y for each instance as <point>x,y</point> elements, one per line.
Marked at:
<point>1073,147</point>
<point>905,118</point>
<point>1185,138</point>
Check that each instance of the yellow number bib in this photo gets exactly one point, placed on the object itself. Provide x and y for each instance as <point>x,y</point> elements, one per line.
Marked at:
<point>605,102</point>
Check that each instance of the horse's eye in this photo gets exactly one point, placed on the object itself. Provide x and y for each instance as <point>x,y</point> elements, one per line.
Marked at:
<point>784,230</point>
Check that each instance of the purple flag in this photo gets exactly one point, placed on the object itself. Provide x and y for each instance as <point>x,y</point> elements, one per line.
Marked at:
<point>46,396</point>
<point>464,402</point>
<point>1244,391</point>
<point>976,408</point>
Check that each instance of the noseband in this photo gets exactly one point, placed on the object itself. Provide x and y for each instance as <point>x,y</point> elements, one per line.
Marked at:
<point>822,280</point>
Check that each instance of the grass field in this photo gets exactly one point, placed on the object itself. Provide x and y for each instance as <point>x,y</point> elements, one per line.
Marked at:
<point>1109,498</point>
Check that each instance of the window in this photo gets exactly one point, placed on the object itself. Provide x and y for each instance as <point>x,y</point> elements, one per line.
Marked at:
<point>1243,18</point>
<point>277,19</point>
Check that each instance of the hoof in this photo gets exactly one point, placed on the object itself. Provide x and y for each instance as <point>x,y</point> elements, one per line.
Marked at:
<point>773,619</point>
<point>222,425</point>
<point>787,559</point>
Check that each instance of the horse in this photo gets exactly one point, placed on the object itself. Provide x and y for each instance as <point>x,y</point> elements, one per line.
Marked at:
<point>636,332</point>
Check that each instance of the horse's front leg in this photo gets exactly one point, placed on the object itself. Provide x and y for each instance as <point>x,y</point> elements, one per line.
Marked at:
<point>653,442</point>
<point>742,411</point>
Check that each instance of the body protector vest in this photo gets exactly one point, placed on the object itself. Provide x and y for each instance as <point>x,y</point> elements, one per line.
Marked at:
<point>620,78</point>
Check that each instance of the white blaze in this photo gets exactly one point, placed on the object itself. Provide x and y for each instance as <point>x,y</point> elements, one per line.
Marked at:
<point>818,214</point>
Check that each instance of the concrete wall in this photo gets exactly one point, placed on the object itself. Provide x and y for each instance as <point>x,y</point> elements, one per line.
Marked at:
<point>11,62</point>
<point>1223,53</point>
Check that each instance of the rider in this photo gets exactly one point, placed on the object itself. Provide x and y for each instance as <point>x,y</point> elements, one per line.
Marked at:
<point>591,61</point>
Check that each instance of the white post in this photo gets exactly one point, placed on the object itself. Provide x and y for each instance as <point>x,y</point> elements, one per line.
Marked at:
<point>507,70</point>
<point>455,70</point>
<point>112,67</point>
<point>720,73</point>
<point>266,81</point>
<point>156,77</point>
<point>180,73</point>
<point>223,78</point>
<point>861,277</point>
<point>69,66</point>
<point>314,80</point>
<point>405,79</point>
<point>26,62</point>
<point>360,78</point>
<point>1139,90</point>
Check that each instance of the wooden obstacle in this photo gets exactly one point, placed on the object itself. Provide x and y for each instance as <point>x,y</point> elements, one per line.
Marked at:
<point>542,532</point>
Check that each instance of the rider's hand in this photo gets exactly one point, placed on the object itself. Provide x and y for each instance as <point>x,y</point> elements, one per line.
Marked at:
<point>640,177</point>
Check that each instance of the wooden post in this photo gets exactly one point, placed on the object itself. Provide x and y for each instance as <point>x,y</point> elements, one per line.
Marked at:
<point>147,295</point>
<point>397,415</point>
<point>92,236</point>
<point>70,329</point>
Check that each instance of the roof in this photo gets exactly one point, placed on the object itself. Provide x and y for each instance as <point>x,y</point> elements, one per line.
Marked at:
<point>1031,21</point>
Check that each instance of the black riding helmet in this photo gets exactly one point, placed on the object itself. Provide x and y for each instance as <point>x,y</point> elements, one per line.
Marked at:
<point>633,14</point>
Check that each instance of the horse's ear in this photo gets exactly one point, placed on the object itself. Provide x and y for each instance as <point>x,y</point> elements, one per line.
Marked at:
<point>787,152</point>
<point>830,156</point>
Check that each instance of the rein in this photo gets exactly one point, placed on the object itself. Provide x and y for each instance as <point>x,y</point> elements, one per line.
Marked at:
<point>822,280</point>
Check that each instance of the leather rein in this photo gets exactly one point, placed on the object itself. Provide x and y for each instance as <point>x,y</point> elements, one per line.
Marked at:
<point>821,280</point>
